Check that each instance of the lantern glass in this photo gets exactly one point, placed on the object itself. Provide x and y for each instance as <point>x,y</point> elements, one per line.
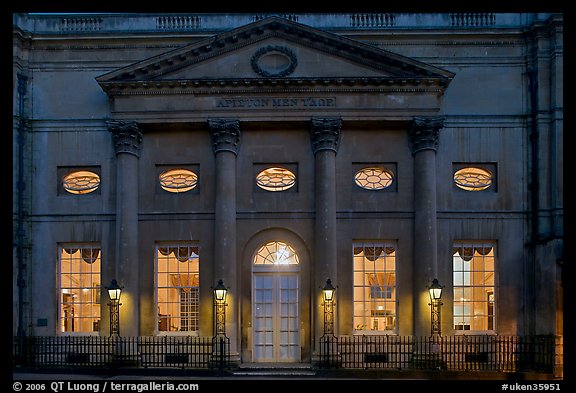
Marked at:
<point>220,292</point>
<point>328,291</point>
<point>435,290</point>
<point>114,290</point>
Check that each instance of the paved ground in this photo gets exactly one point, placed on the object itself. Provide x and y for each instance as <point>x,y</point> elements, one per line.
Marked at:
<point>266,374</point>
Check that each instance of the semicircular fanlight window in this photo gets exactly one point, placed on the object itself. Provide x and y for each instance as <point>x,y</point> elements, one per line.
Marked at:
<point>276,253</point>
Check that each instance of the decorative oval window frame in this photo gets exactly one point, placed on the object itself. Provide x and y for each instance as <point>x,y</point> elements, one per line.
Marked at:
<point>271,49</point>
<point>276,187</point>
<point>389,181</point>
<point>178,189</point>
<point>70,182</point>
<point>484,182</point>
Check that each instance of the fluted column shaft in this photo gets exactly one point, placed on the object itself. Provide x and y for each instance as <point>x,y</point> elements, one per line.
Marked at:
<point>127,140</point>
<point>225,136</point>
<point>423,135</point>
<point>325,138</point>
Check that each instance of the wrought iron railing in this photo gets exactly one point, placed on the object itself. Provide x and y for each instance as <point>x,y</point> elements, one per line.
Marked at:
<point>455,353</point>
<point>104,352</point>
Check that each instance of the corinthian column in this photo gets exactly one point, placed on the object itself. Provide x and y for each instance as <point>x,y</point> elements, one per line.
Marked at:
<point>325,138</point>
<point>423,135</point>
<point>127,140</point>
<point>225,136</point>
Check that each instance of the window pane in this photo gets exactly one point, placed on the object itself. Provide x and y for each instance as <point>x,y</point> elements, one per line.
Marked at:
<point>473,278</point>
<point>374,178</point>
<point>276,253</point>
<point>79,288</point>
<point>374,279</point>
<point>473,178</point>
<point>276,179</point>
<point>177,292</point>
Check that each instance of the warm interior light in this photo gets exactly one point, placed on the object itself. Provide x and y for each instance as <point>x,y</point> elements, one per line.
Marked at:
<point>178,180</point>
<point>473,179</point>
<point>81,182</point>
<point>275,179</point>
<point>374,178</point>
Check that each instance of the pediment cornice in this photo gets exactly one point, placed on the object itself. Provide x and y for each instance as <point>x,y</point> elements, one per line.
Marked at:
<point>154,74</point>
<point>272,85</point>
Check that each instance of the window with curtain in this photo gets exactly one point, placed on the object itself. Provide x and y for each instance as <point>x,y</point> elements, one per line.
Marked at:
<point>375,301</point>
<point>177,288</point>
<point>79,288</point>
<point>473,278</point>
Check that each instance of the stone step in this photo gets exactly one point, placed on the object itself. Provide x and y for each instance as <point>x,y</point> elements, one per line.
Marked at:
<point>274,373</point>
<point>275,370</point>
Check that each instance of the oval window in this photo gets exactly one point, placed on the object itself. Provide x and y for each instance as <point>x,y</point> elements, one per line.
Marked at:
<point>374,178</point>
<point>81,182</point>
<point>275,179</point>
<point>473,179</point>
<point>178,180</point>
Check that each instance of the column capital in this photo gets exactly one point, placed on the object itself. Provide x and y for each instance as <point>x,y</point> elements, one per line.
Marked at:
<point>325,133</point>
<point>424,133</point>
<point>225,134</point>
<point>126,136</point>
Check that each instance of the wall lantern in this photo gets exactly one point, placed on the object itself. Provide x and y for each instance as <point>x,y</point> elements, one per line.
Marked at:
<point>435,290</point>
<point>114,292</point>
<point>220,292</point>
<point>328,291</point>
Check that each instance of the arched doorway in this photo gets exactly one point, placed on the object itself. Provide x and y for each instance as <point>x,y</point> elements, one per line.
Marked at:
<point>276,309</point>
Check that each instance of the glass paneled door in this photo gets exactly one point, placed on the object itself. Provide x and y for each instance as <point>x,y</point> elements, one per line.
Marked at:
<point>275,317</point>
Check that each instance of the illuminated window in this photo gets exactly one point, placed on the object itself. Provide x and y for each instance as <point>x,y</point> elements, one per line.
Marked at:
<point>177,288</point>
<point>178,180</point>
<point>374,287</point>
<point>374,178</point>
<point>276,253</point>
<point>79,289</point>
<point>473,269</point>
<point>276,179</point>
<point>81,182</point>
<point>473,178</point>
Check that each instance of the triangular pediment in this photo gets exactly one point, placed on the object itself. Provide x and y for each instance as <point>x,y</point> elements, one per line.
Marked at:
<point>274,51</point>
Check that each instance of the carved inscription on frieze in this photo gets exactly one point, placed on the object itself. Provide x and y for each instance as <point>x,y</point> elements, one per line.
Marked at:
<point>275,102</point>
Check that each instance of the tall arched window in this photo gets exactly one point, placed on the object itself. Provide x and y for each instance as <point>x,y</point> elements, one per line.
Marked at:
<point>276,303</point>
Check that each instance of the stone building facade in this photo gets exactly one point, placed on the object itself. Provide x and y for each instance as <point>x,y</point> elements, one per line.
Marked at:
<point>274,152</point>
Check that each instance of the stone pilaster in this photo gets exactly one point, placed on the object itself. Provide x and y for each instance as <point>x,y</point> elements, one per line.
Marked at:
<point>225,136</point>
<point>127,140</point>
<point>325,139</point>
<point>423,135</point>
